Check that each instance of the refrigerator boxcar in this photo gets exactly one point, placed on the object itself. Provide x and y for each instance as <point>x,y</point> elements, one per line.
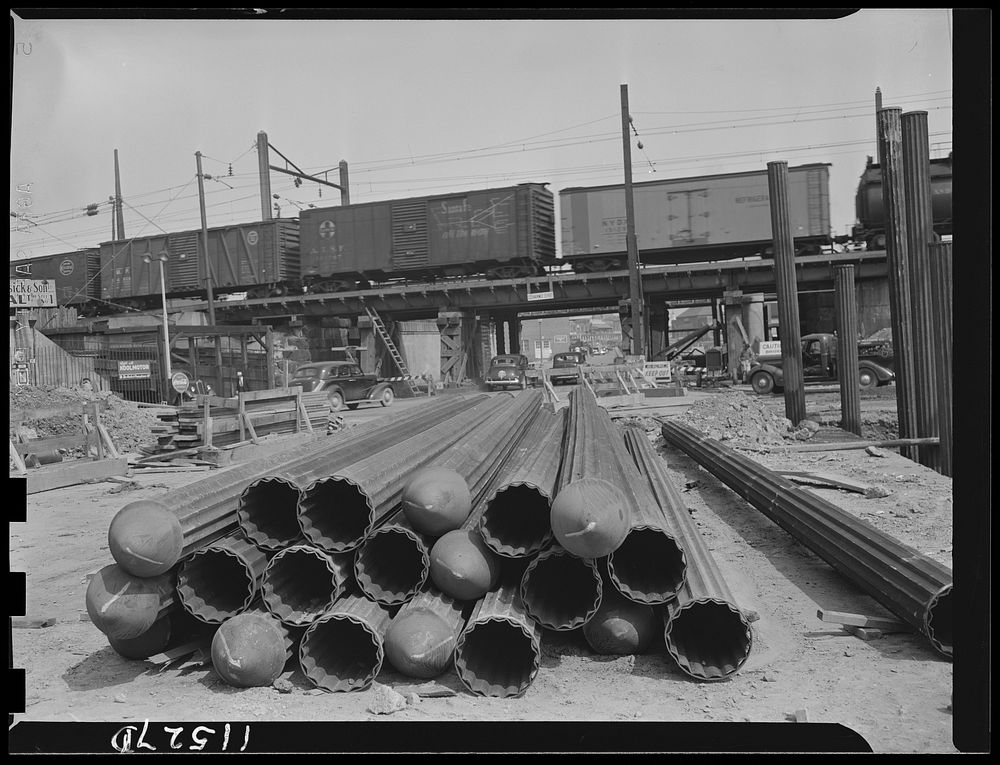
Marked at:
<point>260,258</point>
<point>76,274</point>
<point>711,217</point>
<point>502,232</point>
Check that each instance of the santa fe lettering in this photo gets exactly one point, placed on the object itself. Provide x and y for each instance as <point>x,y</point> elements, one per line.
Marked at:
<point>122,741</point>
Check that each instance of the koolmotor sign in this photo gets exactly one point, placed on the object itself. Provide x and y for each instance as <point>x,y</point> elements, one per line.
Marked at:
<point>32,293</point>
<point>134,370</point>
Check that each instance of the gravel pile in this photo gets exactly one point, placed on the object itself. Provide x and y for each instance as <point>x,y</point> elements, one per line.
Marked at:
<point>733,416</point>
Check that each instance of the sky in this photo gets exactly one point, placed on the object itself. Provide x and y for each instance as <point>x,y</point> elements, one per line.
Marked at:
<point>427,107</point>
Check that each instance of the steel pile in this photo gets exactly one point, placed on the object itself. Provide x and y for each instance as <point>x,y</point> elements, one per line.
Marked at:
<point>908,583</point>
<point>252,649</point>
<point>123,606</point>
<point>302,582</point>
<point>560,590</point>
<point>222,579</point>
<point>705,631</point>
<point>422,636</point>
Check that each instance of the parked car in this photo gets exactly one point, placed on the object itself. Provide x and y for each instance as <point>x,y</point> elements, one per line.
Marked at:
<point>565,367</point>
<point>344,383</point>
<point>876,364</point>
<point>508,370</point>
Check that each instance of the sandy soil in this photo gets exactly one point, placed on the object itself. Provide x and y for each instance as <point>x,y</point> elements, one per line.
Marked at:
<point>895,692</point>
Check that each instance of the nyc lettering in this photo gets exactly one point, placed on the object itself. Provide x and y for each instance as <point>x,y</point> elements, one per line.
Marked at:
<point>122,740</point>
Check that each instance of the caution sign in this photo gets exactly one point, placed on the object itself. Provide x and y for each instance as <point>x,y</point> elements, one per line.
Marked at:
<point>32,293</point>
<point>134,370</point>
<point>20,375</point>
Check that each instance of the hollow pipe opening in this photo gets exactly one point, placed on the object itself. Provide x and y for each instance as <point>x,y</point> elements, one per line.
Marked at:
<point>391,566</point>
<point>649,565</point>
<point>709,640</point>
<point>338,653</point>
<point>496,658</point>
<point>298,586</point>
<point>335,514</point>
<point>267,513</point>
<point>215,584</point>
<point>938,621</point>
<point>561,591</point>
<point>516,521</point>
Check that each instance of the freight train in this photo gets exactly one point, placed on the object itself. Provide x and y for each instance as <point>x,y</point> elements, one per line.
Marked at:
<point>493,233</point>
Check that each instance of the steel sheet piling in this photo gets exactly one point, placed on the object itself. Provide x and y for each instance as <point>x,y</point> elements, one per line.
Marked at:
<point>251,649</point>
<point>302,582</point>
<point>705,631</point>
<point>420,641</point>
<point>890,142</point>
<point>343,650</point>
<point>124,606</point>
<point>847,349</point>
<point>221,579</point>
<point>914,587</point>
<point>920,233</point>
<point>942,293</point>
<point>787,289</point>
<point>560,590</point>
<point>394,562</point>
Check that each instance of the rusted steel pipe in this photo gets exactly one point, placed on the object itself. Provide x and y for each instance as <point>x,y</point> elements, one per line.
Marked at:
<point>267,509</point>
<point>941,277</point>
<point>343,503</point>
<point>515,519</point>
<point>500,650</point>
<point>394,562</point>
<point>124,606</point>
<point>420,641</point>
<point>221,579</point>
<point>705,631</point>
<point>848,374</point>
<point>559,590</point>
<point>908,583</point>
<point>343,649</point>
<point>252,648</point>
<point>890,151</point>
<point>302,582</point>
<point>920,232</point>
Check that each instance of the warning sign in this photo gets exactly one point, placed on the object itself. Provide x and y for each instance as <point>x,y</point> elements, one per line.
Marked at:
<point>20,374</point>
<point>32,293</point>
<point>134,370</point>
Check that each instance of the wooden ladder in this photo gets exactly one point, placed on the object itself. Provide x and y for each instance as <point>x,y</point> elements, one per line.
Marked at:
<point>397,357</point>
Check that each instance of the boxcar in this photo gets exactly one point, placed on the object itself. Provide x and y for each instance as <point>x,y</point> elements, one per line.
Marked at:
<point>503,232</point>
<point>256,257</point>
<point>711,217</point>
<point>76,274</point>
<point>870,228</point>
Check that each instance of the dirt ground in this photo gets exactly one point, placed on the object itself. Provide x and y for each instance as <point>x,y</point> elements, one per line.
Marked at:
<point>895,692</point>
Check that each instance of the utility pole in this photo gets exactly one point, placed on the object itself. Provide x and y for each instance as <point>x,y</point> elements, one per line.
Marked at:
<point>208,275</point>
<point>345,195</point>
<point>119,214</point>
<point>264,168</point>
<point>635,283</point>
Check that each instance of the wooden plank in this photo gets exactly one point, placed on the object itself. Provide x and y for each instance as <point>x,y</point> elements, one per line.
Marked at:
<point>253,433</point>
<point>179,652</point>
<point>72,473</point>
<point>856,445</point>
<point>864,633</point>
<point>146,469</point>
<point>859,620</point>
<point>304,415</point>
<point>824,479</point>
<point>257,395</point>
<point>77,441</point>
<point>25,623</point>
<point>107,440</point>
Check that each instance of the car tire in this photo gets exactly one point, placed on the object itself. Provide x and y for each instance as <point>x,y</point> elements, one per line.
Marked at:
<point>336,399</point>
<point>387,397</point>
<point>867,378</point>
<point>762,383</point>
<point>352,406</point>
<point>523,384</point>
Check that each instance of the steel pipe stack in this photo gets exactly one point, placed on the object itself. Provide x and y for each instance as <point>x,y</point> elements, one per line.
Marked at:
<point>267,509</point>
<point>941,277</point>
<point>847,349</point>
<point>342,504</point>
<point>621,626</point>
<point>124,606</point>
<point>908,583</point>
<point>252,649</point>
<point>920,234</point>
<point>420,641</point>
<point>788,293</point>
<point>515,520</point>
<point>890,150</point>
<point>560,590</point>
<point>343,649</point>
<point>144,645</point>
<point>705,631</point>
<point>222,579</point>
<point>302,582</point>
<point>500,650</point>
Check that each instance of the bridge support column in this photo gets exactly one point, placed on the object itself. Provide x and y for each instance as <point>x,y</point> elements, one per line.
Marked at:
<point>500,328</point>
<point>734,338</point>
<point>753,319</point>
<point>459,332</point>
<point>659,326</point>
<point>515,333</point>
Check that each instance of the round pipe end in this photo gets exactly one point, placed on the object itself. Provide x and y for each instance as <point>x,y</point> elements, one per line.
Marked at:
<point>146,538</point>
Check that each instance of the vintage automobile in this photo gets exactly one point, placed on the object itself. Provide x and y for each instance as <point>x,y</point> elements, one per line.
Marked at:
<point>876,364</point>
<point>344,383</point>
<point>565,367</point>
<point>508,370</point>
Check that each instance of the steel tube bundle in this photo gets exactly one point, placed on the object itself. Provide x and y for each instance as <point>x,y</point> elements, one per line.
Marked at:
<point>705,631</point>
<point>908,583</point>
<point>144,645</point>
<point>344,503</point>
<point>420,641</point>
<point>393,563</point>
<point>221,579</point>
<point>942,294</point>
<point>621,626</point>
<point>343,649</point>
<point>124,606</point>
<point>559,590</point>
<point>591,512</point>
<point>500,650</point>
<point>848,374</point>
<point>302,582</point>
<point>252,648</point>
<point>515,518</point>
<point>267,509</point>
